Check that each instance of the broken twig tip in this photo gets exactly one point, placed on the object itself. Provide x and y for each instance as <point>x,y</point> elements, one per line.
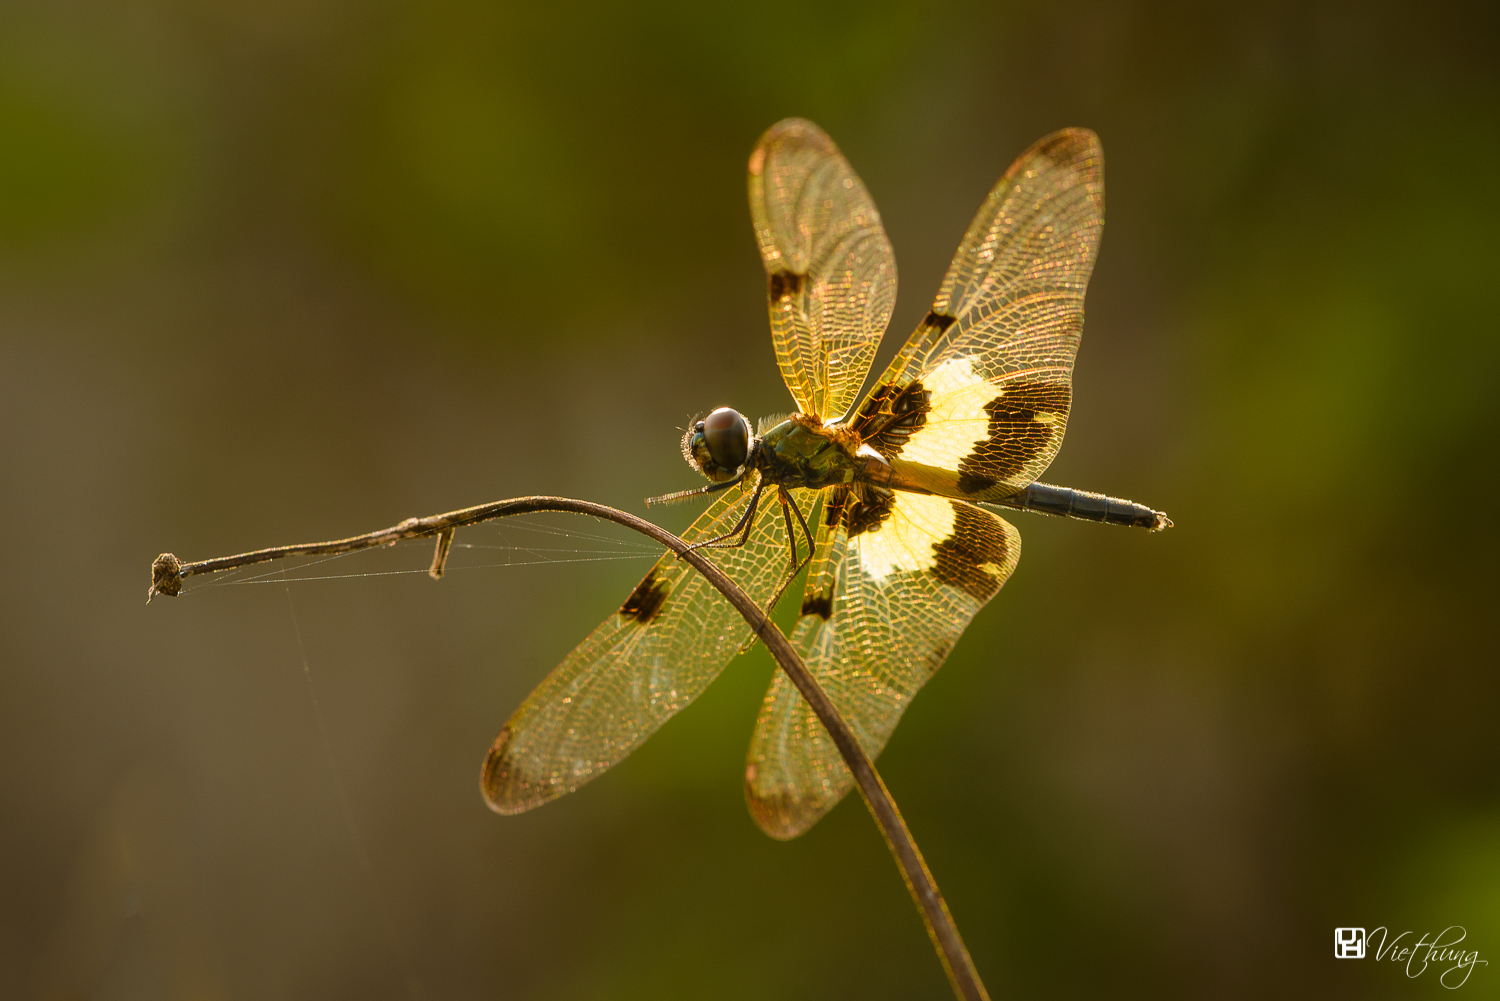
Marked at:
<point>166,577</point>
<point>440,554</point>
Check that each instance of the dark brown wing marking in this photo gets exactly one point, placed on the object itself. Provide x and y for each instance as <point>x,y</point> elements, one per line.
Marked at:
<point>865,509</point>
<point>1025,420</point>
<point>890,416</point>
<point>645,602</point>
<point>934,323</point>
<point>834,502</point>
<point>978,542</point>
<point>820,604</point>
<point>785,283</point>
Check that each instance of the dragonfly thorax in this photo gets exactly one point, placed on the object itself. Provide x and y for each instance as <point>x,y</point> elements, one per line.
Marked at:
<point>804,452</point>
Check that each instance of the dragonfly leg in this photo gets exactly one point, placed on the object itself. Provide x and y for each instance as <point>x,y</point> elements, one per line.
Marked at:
<point>806,532</point>
<point>741,527</point>
<point>681,495</point>
<point>788,505</point>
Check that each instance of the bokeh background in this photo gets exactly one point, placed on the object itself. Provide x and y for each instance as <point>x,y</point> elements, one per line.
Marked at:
<point>274,271</point>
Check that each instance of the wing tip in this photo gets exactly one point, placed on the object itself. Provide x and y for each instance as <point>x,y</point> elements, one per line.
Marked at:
<point>796,129</point>
<point>795,125</point>
<point>780,815</point>
<point>1065,144</point>
<point>1076,148</point>
<point>500,780</point>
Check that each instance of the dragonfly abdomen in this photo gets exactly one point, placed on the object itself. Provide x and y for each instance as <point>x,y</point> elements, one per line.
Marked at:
<point>1065,502</point>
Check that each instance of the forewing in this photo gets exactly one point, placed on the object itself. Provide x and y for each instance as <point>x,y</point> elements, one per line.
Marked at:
<point>670,638</point>
<point>831,276</point>
<point>976,402</point>
<point>908,573</point>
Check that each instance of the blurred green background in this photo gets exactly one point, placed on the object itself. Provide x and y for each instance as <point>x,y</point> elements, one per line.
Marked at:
<point>273,271</point>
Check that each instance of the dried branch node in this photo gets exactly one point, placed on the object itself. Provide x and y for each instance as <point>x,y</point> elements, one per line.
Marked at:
<point>166,577</point>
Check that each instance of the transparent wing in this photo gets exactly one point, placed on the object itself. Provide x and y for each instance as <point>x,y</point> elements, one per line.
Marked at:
<point>670,638</point>
<point>831,274</point>
<point>897,578</point>
<point>976,402</point>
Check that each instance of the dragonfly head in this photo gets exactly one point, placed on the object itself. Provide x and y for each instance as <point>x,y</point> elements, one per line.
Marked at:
<point>718,445</point>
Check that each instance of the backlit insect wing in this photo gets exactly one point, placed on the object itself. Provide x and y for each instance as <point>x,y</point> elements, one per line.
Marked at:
<point>670,638</point>
<point>976,403</point>
<point>973,406</point>
<point>831,275</point>
<point>896,579</point>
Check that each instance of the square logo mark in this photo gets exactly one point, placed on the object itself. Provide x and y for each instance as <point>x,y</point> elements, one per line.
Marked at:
<point>1349,943</point>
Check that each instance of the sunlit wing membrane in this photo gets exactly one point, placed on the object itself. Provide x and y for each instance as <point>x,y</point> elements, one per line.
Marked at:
<point>670,638</point>
<point>976,402</point>
<point>896,579</point>
<point>831,275</point>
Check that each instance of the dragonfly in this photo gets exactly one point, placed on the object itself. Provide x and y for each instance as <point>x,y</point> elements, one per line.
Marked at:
<point>890,501</point>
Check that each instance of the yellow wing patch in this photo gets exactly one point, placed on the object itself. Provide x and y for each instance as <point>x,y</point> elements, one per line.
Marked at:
<point>956,422</point>
<point>904,541</point>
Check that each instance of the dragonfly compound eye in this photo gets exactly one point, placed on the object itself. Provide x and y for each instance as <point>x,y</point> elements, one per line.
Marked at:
<point>719,444</point>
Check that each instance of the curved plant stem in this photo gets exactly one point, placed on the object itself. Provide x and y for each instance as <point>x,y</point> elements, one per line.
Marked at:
<point>167,573</point>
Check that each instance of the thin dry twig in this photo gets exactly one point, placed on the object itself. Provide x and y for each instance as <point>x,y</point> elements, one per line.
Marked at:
<point>167,573</point>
